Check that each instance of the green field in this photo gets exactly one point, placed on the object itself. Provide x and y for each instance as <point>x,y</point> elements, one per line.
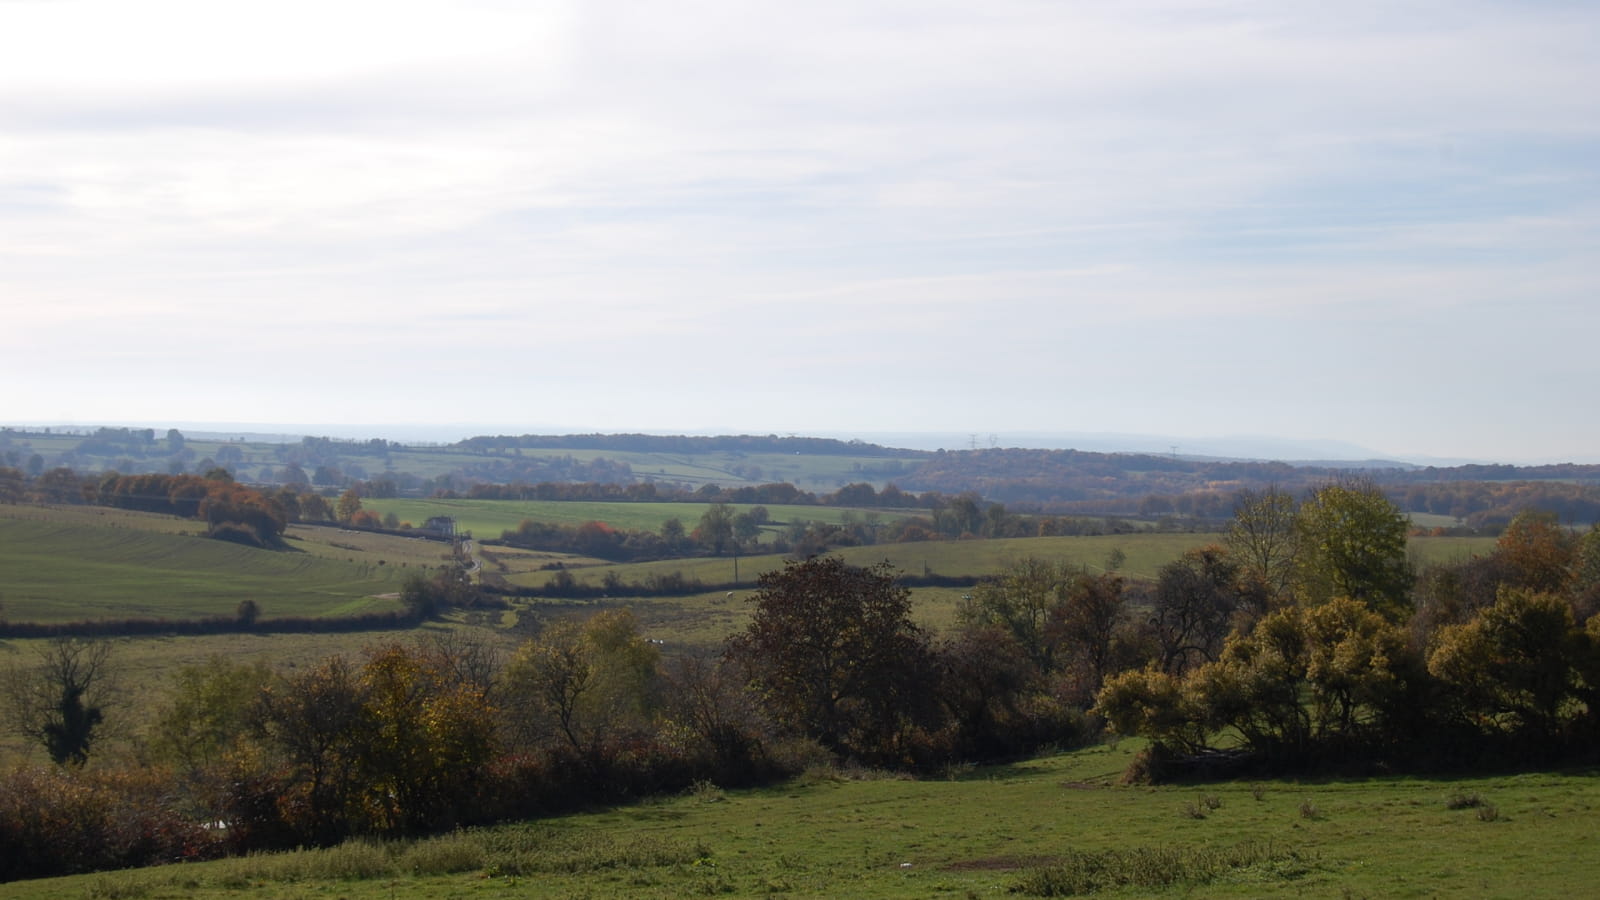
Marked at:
<point>815,473</point>
<point>708,618</point>
<point>978,833</point>
<point>69,565</point>
<point>486,519</point>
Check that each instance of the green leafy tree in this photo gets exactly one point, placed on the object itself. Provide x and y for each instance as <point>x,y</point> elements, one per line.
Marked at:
<point>1363,674</point>
<point>1352,543</point>
<point>582,684</point>
<point>314,508</point>
<point>1154,704</point>
<point>1258,687</point>
<point>1021,600</point>
<point>1063,618</point>
<point>208,711</point>
<point>673,534</point>
<point>247,612</point>
<point>426,733</point>
<point>745,528</point>
<point>1322,679</point>
<point>349,505</point>
<point>715,530</point>
<point>1586,574</point>
<point>961,516</point>
<point>1515,666</point>
<point>12,483</point>
<point>545,683</point>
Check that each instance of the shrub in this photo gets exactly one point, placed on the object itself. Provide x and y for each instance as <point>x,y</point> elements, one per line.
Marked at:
<point>707,792</point>
<point>60,822</point>
<point>445,855</point>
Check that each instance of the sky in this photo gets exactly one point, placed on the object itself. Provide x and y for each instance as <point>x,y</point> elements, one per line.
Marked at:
<point>1368,222</point>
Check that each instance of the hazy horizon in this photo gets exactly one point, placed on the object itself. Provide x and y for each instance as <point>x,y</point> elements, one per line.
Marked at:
<point>1222,446</point>
<point>1368,223</point>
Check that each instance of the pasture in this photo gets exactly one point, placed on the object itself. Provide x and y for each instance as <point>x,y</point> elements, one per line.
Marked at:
<point>67,563</point>
<point>707,618</point>
<point>70,563</point>
<point>77,563</point>
<point>818,473</point>
<point>1062,821</point>
<point>486,519</point>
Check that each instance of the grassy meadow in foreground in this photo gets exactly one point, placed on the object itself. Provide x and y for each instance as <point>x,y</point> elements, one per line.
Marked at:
<point>1063,821</point>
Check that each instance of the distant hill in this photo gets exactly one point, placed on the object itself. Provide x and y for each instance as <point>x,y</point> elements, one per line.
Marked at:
<point>1058,480</point>
<point>1226,447</point>
<point>681,443</point>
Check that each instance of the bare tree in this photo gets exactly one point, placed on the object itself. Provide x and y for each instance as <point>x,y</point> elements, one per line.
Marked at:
<point>468,660</point>
<point>1196,597</point>
<point>60,702</point>
<point>1263,536</point>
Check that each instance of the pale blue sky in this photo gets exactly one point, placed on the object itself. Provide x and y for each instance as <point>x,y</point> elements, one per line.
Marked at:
<point>1370,222</point>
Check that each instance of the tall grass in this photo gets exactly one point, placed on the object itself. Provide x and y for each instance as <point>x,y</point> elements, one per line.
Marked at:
<point>1086,872</point>
<point>511,851</point>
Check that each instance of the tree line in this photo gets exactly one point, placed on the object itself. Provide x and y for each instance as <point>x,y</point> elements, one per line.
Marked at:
<point>655,443</point>
<point>1310,643</point>
<point>722,529</point>
<point>1087,483</point>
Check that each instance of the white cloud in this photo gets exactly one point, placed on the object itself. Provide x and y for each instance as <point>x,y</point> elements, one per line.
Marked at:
<point>806,190</point>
